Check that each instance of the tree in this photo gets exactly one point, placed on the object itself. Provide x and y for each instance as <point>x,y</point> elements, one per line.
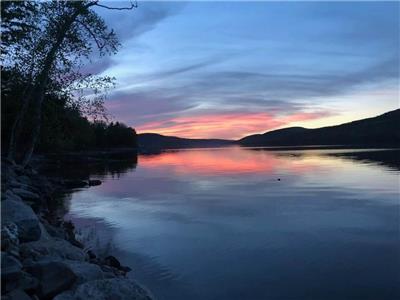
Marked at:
<point>63,36</point>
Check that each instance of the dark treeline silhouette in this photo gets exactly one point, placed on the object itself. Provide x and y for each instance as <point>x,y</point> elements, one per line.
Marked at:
<point>151,141</point>
<point>63,127</point>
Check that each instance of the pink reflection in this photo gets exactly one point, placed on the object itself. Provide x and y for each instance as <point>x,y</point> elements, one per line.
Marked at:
<point>233,161</point>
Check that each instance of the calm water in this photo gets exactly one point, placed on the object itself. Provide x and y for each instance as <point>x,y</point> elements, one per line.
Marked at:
<point>218,224</point>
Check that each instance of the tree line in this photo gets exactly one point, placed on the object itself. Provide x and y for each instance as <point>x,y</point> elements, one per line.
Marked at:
<point>48,102</point>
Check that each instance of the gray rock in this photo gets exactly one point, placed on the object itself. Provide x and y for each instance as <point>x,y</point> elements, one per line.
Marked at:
<point>109,271</point>
<point>10,195</point>
<point>54,231</point>
<point>23,216</point>
<point>84,271</point>
<point>9,238</point>
<point>24,179</point>
<point>10,267</point>
<point>54,277</point>
<point>16,295</point>
<point>16,184</point>
<point>107,289</point>
<point>10,172</point>
<point>27,282</point>
<point>25,194</point>
<point>52,249</point>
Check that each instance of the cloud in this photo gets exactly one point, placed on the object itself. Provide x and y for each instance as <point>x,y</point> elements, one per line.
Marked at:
<point>133,23</point>
<point>129,25</point>
<point>138,107</point>
<point>207,73</point>
<point>231,104</point>
<point>180,70</point>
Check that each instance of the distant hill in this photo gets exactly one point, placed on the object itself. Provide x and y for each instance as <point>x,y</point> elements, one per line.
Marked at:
<point>381,130</point>
<point>151,141</point>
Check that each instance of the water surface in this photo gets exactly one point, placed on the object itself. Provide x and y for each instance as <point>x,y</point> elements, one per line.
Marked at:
<point>236,223</point>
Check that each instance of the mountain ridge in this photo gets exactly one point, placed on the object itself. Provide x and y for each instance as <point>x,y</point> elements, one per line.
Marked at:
<point>158,141</point>
<point>381,130</point>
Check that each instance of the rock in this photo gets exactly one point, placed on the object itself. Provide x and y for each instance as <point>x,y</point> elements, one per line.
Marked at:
<point>91,254</point>
<point>10,267</point>
<point>94,182</point>
<point>69,230</point>
<point>75,183</point>
<point>25,194</point>
<point>53,248</point>
<point>27,282</point>
<point>107,289</point>
<point>16,295</point>
<point>9,239</point>
<point>113,262</point>
<point>9,170</point>
<point>10,195</point>
<point>16,184</point>
<point>109,270</point>
<point>84,271</point>
<point>23,216</point>
<point>54,277</point>
<point>54,231</point>
<point>45,235</point>
<point>24,179</point>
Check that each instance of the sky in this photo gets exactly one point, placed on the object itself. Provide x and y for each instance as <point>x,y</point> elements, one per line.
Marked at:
<point>230,69</point>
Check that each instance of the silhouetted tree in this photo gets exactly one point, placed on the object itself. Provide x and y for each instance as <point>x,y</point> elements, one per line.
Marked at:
<point>61,35</point>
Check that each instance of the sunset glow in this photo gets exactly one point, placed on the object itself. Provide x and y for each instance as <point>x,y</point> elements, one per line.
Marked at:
<point>230,126</point>
<point>227,70</point>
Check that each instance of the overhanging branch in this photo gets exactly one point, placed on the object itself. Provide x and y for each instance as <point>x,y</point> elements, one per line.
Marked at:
<point>98,43</point>
<point>132,6</point>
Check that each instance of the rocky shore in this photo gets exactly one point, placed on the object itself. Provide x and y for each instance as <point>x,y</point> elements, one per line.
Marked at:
<point>40,256</point>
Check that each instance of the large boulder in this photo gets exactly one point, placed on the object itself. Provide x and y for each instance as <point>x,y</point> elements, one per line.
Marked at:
<point>16,295</point>
<point>11,272</point>
<point>107,289</point>
<point>10,267</point>
<point>27,282</point>
<point>10,195</point>
<point>84,271</point>
<point>51,249</point>
<point>23,216</point>
<point>26,194</point>
<point>24,179</point>
<point>54,277</point>
<point>112,261</point>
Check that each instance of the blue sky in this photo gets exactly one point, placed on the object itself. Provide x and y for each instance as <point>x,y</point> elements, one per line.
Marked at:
<point>228,69</point>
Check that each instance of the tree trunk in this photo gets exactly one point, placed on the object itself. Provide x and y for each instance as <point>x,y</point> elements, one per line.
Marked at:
<point>17,125</point>
<point>36,124</point>
<point>41,85</point>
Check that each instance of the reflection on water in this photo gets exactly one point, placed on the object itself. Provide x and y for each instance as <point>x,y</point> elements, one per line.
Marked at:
<point>240,223</point>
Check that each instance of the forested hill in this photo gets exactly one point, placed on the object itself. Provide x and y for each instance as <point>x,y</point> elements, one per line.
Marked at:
<point>157,141</point>
<point>381,130</point>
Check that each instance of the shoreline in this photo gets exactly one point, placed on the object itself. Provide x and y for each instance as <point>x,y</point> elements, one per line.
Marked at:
<point>41,258</point>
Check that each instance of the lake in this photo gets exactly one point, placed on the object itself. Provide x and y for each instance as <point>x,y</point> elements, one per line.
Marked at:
<point>239,223</point>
